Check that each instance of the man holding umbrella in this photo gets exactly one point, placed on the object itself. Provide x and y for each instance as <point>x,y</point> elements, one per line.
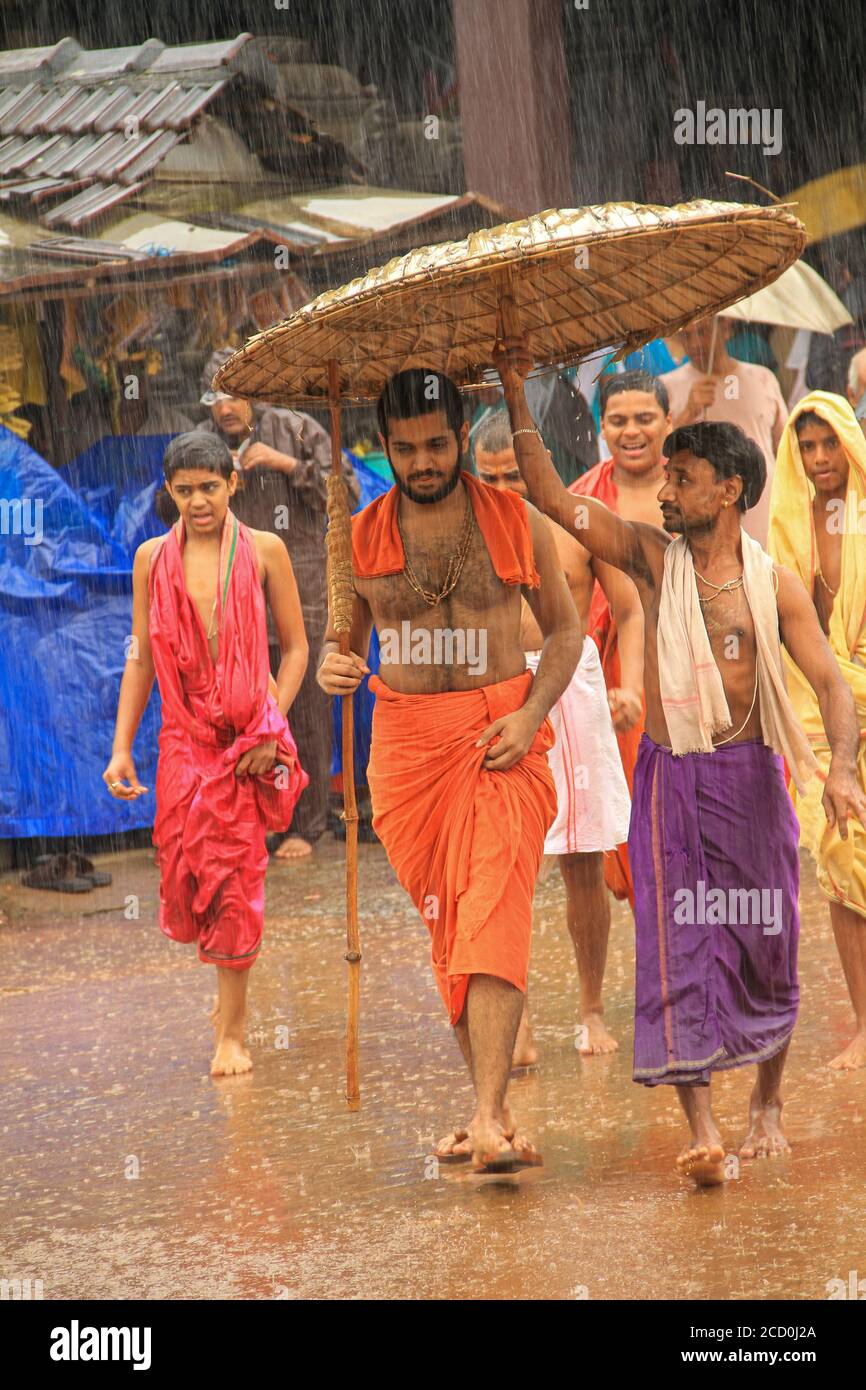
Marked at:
<point>461,789</point>
<point>716,922</point>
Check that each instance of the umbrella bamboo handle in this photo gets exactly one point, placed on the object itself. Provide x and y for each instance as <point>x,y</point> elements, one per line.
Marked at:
<point>509,313</point>
<point>340,603</point>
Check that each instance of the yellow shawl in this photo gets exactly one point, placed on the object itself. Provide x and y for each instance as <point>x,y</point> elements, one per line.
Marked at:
<point>841,864</point>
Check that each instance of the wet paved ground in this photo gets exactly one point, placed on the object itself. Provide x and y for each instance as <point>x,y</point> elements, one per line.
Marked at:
<point>128,1173</point>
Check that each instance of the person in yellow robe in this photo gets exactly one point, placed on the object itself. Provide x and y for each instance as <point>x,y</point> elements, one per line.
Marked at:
<point>818,529</point>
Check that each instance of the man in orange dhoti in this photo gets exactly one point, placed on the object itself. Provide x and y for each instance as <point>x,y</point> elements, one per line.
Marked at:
<point>461,790</point>
<point>228,768</point>
<point>635,420</point>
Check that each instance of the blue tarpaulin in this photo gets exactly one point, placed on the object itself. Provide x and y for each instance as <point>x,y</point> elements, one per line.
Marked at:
<point>65,611</point>
<point>67,541</point>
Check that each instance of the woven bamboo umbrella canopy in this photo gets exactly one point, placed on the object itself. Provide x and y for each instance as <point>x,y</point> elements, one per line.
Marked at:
<point>616,275</point>
<point>575,280</point>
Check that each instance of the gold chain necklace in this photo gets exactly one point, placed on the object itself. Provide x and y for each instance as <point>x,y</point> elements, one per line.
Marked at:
<point>455,564</point>
<point>728,588</point>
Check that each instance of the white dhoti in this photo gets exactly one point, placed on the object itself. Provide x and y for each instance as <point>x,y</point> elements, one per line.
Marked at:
<point>591,791</point>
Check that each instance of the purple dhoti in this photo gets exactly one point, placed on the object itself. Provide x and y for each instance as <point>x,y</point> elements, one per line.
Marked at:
<point>713,849</point>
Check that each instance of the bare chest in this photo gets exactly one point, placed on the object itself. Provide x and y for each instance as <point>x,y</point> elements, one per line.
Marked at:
<point>478,589</point>
<point>731,632</point>
<point>201,580</point>
<point>470,637</point>
<point>200,577</point>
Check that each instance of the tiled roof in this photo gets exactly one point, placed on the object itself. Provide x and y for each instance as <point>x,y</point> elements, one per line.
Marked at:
<point>81,131</point>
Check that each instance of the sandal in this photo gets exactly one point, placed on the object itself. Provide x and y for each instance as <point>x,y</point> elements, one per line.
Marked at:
<point>56,874</point>
<point>84,868</point>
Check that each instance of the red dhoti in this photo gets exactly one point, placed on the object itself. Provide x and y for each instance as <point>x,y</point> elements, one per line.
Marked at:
<point>210,825</point>
<point>598,482</point>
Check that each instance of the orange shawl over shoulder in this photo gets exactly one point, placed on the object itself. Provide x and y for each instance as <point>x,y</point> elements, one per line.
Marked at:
<point>377,549</point>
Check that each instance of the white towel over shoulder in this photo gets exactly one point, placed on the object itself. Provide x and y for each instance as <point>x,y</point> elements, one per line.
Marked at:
<point>692,693</point>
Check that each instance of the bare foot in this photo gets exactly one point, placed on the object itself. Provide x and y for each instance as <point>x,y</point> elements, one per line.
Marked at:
<point>293,847</point>
<point>853,1056</point>
<point>487,1138</point>
<point>454,1148</point>
<point>525,1052</point>
<point>596,1039</point>
<point>765,1138</point>
<point>704,1163</point>
<point>230,1059</point>
<point>495,1151</point>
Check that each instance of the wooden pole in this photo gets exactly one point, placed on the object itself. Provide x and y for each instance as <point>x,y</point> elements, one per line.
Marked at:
<point>54,419</point>
<point>709,367</point>
<point>509,313</point>
<point>340,601</point>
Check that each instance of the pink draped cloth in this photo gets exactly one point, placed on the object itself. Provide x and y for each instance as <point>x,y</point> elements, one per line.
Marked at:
<point>210,825</point>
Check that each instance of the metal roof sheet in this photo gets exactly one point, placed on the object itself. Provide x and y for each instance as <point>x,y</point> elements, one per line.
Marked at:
<point>77,248</point>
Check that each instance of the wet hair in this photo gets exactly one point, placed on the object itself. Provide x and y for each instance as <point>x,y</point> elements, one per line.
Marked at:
<point>730,451</point>
<point>637,380</point>
<point>198,449</point>
<point>493,434</point>
<point>415,392</point>
<point>809,417</point>
<point>165,508</point>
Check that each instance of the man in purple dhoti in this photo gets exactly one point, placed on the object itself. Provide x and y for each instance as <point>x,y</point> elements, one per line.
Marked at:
<point>715,911</point>
<point>713,838</point>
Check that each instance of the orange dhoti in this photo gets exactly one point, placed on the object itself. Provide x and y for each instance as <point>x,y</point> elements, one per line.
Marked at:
<point>464,842</point>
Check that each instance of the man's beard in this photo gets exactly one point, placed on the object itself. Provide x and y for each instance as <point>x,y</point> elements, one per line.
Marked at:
<point>676,525</point>
<point>423,498</point>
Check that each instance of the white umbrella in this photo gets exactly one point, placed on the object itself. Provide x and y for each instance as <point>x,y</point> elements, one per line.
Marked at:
<point>799,298</point>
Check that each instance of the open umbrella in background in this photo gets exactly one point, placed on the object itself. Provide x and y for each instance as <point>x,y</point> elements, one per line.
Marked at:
<point>797,304</point>
<point>799,298</point>
<point>833,204</point>
<point>576,280</point>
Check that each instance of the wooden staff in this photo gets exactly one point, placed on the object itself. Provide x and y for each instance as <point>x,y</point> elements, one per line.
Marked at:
<point>340,604</point>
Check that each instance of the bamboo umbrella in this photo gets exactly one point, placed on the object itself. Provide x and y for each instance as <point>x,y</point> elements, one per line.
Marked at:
<point>577,280</point>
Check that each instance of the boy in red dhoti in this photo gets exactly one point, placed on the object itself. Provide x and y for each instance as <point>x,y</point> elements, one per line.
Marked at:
<point>228,768</point>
